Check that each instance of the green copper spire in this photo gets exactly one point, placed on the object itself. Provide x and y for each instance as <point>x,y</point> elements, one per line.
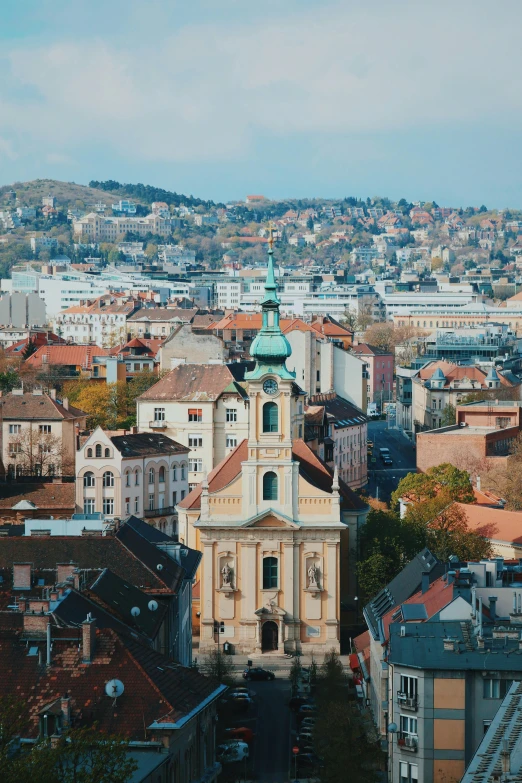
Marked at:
<point>270,348</point>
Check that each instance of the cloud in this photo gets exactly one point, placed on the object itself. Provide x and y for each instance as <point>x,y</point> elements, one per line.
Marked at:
<point>207,91</point>
<point>59,158</point>
<point>6,149</point>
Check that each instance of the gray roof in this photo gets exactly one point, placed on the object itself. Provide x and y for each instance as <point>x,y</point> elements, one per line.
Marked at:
<point>505,732</point>
<point>438,375</point>
<point>403,586</point>
<point>422,647</point>
<point>145,444</point>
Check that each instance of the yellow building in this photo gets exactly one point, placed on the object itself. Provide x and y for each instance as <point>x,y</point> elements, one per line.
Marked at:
<point>276,528</point>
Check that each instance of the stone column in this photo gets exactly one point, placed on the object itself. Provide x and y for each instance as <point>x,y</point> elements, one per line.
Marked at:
<point>207,595</point>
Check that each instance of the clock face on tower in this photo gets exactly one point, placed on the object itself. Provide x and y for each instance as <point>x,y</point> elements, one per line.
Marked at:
<point>270,386</point>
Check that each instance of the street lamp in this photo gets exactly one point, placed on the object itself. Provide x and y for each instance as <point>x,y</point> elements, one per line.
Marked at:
<point>392,729</point>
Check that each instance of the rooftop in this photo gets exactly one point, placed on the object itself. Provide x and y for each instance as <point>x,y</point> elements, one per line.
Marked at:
<point>146,443</point>
<point>193,383</point>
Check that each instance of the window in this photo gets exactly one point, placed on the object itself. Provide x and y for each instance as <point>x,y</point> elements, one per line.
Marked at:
<point>127,505</point>
<point>159,414</point>
<point>174,473</point>
<point>495,689</point>
<point>136,505</point>
<point>408,726</point>
<point>151,501</point>
<point>409,687</point>
<point>136,478</point>
<point>195,441</point>
<point>98,450</point>
<point>409,773</point>
<point>231,441</point>
<point>195,414</point>
<point>127,478</point>
<point>502,421</point>
<point>270,417</point>
<point>15,429</point>
<point>269,573</point>
<point>108,506</point>
<point>270,486</point>
<point>196,465</point>
<point>182,494</point>
<point>183,472</point>
<point>108,453</point>
<point>89,452</point>
<point>152,475</point>
<point>15,448</point>
<point>108,479</point>
<point>88,505</point>
<point>161,475</point>
<point>45,429</point>
<point>174,498</point>
<point>231,414</point>
<point>486,724</point>
<point>192,486</point>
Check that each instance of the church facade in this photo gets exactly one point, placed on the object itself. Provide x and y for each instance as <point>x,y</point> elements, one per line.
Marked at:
<point>277,529</point>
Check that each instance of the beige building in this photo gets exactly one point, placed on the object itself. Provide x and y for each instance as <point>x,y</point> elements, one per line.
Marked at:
<point>39,434</point>
<point>276,528</point>
<point>98,228</point>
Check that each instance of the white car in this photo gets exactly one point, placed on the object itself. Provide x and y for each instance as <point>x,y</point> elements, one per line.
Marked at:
<point>228,752</point>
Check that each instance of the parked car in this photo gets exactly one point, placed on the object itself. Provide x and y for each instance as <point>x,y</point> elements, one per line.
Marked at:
<point>306,711</point>
<point>238,690</point>
<point>308,760</point>
<point>257,673</point>
<point>369,443</point>
<point>305,735</point>
<point>240,733</point>
<point>298,701</point>
<point>387,460</point>
<point>310,722</point>
<point>235,750</point>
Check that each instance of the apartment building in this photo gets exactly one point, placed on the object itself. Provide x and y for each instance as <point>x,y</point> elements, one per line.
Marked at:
<point>102,321</point>
<point>141,474</point>
<point>98,228</point>
<point>39,434</point>
<point>458,315</point>
<point>348,428</point>
<point>203,407</point>
<point>380,368</point>
<point>158,322</point>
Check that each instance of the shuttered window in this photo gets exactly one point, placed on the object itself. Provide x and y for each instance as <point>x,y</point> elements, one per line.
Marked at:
<point>270,417</point>
<point>270,486</point>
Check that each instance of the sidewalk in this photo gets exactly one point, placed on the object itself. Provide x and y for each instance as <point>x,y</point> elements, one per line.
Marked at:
<point>276,662</point>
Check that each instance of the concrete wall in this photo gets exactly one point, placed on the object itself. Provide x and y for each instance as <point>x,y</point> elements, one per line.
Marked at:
<point>348,381</point>
<point>184,345</point>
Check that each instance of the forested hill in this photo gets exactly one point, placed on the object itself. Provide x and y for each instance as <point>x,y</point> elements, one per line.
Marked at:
<point>149,193</point>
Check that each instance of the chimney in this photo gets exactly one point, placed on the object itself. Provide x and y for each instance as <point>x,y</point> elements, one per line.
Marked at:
<point>478,483</point>
<point>52,394</point>
<point>451,577</point>
<point>425,582</point>
<point>22,604</point>
<point>493,607</point>
<point>22,576</point>
<point>65,705</point>
<point>65,403</point>
<point>88,638</point>
<point>36,624</point>
<point>64,570</point>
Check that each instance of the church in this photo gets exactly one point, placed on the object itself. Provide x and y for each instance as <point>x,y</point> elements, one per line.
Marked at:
<point>277,529</point>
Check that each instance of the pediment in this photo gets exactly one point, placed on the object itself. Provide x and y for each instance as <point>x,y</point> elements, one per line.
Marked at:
<point>270,519</point>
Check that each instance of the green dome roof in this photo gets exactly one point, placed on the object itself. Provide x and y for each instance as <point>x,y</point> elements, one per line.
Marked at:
<point>270,347</point>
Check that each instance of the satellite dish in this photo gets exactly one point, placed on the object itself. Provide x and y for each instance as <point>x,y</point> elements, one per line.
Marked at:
<point>114,688</point>
<point>159,567</point>
<point>153,605</point>
<point>135,611</point>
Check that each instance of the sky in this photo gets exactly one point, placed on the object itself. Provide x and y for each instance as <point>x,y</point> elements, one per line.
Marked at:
<point>286,98</point>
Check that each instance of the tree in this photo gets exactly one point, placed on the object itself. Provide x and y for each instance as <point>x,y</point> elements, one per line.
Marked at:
<point>81,755</point>
<point>507,480</point>
<point>295,675</point>
<point>9,379</point>
<point>104,403</point>
<point>449,415</point>
<point>218,666</point>
<point>38,453</point>
<point>417,487</point>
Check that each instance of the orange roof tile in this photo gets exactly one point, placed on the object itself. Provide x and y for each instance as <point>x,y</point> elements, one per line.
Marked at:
<point>496,524</point>
<point>67,355</point>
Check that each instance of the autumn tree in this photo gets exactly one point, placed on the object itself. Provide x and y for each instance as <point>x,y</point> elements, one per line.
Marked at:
<point>418,487</point>
<point>449,415</point>
<point>506,481</point>
<point>104,403</point>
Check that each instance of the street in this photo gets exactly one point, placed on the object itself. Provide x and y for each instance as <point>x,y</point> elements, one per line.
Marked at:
<point>383,481</point>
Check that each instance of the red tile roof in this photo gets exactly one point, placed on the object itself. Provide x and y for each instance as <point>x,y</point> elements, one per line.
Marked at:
<point>365,349</point>
<point>66,355</point>
<point>437,596</point>
<point>192,383</point>
<point>496,524</point>
<point>455,372</point>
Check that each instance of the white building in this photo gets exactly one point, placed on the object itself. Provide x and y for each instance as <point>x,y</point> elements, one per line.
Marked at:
<point>201,406</point>
<point>98,228</point>
<point>125,206</point>
<point>144,475</point>
<point>102,321</point>
<point>228,294</point>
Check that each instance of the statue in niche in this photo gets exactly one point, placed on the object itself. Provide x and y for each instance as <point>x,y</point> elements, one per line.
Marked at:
<point>226,575</point>
<point>313,575</point>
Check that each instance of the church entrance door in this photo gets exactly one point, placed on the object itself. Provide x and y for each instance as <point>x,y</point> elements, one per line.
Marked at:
<point>269,636</point>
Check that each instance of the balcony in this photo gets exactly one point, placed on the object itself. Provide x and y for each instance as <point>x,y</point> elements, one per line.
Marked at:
<point>408,742</point>
<point>159,512</point>
<point>157,425</point>
<point>407,702</point>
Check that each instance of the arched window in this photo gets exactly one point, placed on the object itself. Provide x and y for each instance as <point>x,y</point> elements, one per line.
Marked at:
<point>127,478</point>
<point>152,475</point>
<point>89,452</point>
<point>88,480</point>
<point>161,475</point>
<point>137,478</point>
<point>98,450</point>
<point>269,573</point>
<point>108,479</point>
<point>183,472</point>
<point>107,452</point>
<point>270,486</point>
<point>270,417</point>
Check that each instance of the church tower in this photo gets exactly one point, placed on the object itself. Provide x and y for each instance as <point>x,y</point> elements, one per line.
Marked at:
<point>271,520</point>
